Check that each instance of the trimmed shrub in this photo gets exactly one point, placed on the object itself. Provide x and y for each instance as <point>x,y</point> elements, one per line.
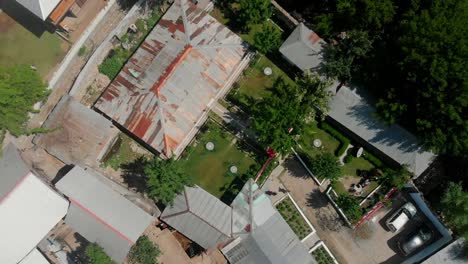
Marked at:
<point>348,158</point>
<point>373,159</point>
<point>344,141</point>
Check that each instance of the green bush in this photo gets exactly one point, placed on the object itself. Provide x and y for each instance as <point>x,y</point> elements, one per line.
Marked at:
<point>326,166</point>
<point>96,255</point>
<point>348,158</point>
<point>373,159</point>
<point>144,251</point>
<point>344,141</point>
<point>350,207</point>
<point>82,51</point>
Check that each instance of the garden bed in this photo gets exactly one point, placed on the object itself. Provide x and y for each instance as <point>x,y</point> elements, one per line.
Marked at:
<point>322,255</point>
<point>210,169</point>
<point>124,151</point>
<point>294,218</point>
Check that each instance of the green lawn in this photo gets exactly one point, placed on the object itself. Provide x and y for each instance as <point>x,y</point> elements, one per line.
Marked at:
<point>210,169</point>
<point>294,219</point>
<point>20,46</point>
<point>121,153</point>
<point>312,132</point>
<point>356,164</point>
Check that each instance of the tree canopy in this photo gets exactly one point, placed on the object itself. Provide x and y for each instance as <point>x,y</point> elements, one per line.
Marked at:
<point>252,12</point>
<point>165,179</point>
<point>326,166</point>
<point>96,255</point>
<point>144,251</point>
<point>316,97</point>
<point>20,88</point>
<point>268,39</point>
<point>276,114</point>
<point>455,208</point>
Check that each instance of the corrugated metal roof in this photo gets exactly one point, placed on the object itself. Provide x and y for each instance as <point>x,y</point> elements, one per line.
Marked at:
<point>100,214</point>
<point>167,85</point>
<point>27,214</point>
<point>81,135</point>
<point>200,216</point>
<point>356,114</point>
<point>12,169</point>
<point>303,48</point>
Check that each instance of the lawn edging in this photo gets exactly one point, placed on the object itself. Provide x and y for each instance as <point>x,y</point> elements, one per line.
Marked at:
<point>370,194</point>
<point>300,212</point>
<point>307,168</point>
<point>322,244</point>
<point>337,208</point>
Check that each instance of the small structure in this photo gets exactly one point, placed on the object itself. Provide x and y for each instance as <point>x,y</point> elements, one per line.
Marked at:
<point>78,134</point>
<point>210,146</point>
<point>249,231</point>
<point>29,209</point>
<point>355,115</point>
<point>233,169</point>
<point>186,62</point>
<point>100,214</point>
<point>199,216</point>
<point>317,143</point>
<point>267,71</point>
<point>303,48</point>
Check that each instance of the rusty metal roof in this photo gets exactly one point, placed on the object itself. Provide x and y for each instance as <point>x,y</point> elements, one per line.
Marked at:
<point>167,85</point>
<point>79,135</point>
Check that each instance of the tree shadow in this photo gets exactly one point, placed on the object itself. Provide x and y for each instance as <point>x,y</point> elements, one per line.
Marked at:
<point>25,18</point>
<point>327,221</point>
<point>133,174</point>
<point>78,255</point>
<point>294,168</point>
<point>316,199</point>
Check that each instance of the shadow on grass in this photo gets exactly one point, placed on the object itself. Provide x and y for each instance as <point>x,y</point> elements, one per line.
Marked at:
<point>134,175</point>
<point>230,191</point>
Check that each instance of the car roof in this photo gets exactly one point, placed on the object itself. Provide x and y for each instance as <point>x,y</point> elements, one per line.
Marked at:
<point>410,208</point>
<point>400,221</point>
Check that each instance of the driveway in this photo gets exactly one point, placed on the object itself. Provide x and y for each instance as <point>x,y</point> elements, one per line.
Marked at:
<point>368,244</point>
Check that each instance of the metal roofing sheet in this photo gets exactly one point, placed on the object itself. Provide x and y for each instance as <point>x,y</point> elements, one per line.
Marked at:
<point>99,201</point>
<point>200,216</point>
<point>356,114</point>
<point>303,48</point>
<point>12,169</point>
<point>79,135</point>
<point>27,215</point>
<point>34,257</point>
<point>40,8</point>
<point>167,85</point>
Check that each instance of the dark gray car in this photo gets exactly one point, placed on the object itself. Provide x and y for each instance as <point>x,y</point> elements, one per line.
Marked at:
<point>415,240</point>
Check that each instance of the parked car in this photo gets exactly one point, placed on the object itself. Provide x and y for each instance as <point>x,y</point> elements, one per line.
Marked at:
<point>415,240</point>
<point>401,217</point>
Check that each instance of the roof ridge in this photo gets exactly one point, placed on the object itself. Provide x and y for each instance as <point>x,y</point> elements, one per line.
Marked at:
<point>185,21</point>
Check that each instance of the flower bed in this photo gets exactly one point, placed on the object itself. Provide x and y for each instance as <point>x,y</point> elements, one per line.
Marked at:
<point>322,256</point>
<point>293,217</point>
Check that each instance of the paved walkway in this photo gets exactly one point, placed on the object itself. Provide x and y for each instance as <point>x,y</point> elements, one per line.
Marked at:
<point>322,215</point>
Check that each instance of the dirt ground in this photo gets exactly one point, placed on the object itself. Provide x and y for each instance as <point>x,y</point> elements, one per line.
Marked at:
<point>322,215</point>
<point>87,13</point>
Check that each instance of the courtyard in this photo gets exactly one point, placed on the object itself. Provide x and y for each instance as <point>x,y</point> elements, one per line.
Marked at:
<point>212,169</point>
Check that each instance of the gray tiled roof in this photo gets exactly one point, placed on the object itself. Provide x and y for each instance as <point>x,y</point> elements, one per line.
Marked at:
<point>303,48</point>
<point>356,114</point>
<point>101,214</point>
<point>199,216</point>
<point>12,169</point>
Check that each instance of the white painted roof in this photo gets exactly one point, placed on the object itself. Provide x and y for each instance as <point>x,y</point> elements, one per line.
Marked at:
<point>41,8</point>
<point>35,257</point>
<point>28,213</point>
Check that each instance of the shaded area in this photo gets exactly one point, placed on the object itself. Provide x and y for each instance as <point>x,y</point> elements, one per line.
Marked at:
<point>133,174</point>
<point>24,17</point>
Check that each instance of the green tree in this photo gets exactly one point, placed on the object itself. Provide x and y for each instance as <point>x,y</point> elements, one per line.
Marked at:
<point>326,166</point>
<point>96,255</point>
<point>268,39</point>
<point>455,208</point>
<point>276,114</point>
<point>340,57</point>
<point>144,252</point>
<point>396,178</point>
<point>165,179</point>
<point>376,14</point>
<point>350,207</point>
<point>316,97</point>
<point>20,88</point>
<point>253,12</point>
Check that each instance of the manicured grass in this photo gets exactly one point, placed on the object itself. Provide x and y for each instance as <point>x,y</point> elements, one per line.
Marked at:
<point>210,169</point>
<point>322,256</point>
<point>121,153</point>
<point>312,132</point>
<point>356,164</point>
<point>20,46</point>
<point>294,219</point>
<point>254,84</point>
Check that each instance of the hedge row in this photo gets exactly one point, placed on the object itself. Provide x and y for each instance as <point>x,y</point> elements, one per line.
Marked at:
<point>344,141</point>
<point>373,159</point>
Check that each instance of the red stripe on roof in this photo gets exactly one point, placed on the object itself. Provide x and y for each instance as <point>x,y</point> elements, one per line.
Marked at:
<point>101,221</point>
<point>15,187</point>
